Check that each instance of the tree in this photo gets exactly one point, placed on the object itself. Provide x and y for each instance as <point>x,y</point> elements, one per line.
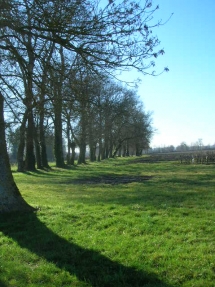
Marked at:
<point>10,197</point>
<point>182,147</point>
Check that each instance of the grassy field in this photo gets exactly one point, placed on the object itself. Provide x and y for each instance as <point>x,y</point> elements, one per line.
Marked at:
<point>121,222</point>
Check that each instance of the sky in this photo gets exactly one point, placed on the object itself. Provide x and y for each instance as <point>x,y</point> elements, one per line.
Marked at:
<point>183,100</point>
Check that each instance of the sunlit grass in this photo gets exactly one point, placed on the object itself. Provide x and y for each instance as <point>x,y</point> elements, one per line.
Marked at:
<point>158,232</point>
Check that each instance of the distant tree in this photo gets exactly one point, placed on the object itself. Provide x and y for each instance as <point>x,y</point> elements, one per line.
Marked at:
<point>182,147</point>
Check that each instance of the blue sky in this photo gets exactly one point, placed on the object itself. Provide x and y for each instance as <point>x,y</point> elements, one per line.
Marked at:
<point>183,100</point>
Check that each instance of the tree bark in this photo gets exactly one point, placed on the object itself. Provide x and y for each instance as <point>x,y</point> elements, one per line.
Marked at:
<point>82,153</point>
<point>46,65</point>
<point>92,143</point>
<point>58,106</point>
<point>37,148</point>
<point>100,133</point>
<point>72,159</point>
<point>58,142</point>
<point>44,159</point>
<point>10,197</point>
<point>83,135</point>
<point>21,147</point>
<point>30,157</point>
<point>68,140</point>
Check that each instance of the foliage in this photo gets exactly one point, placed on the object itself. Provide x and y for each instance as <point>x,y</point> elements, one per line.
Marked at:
<point>157,232</point>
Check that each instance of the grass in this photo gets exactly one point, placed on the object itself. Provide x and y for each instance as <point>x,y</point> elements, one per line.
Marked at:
<point>157,232</point>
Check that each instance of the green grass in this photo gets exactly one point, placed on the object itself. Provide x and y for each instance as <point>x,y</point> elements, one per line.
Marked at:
<point>158,232</point>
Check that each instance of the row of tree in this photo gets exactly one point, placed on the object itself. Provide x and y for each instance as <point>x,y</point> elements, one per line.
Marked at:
<point>57,58</point>
<point>183,147</point>
<point>108,118</point>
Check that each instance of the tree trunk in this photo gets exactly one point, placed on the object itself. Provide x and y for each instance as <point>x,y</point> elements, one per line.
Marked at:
<point>124,150</point>
<point>46,65</point>
<point>92,153</point>
<point>37,148</point>
<point>58,142</point>
<point>100,134</point>
<point>118,149</point>
<point>58,106</point>
<point>72,160</point>
<point>30,157</point>
<point>92,144</point>
<point>20,152</point>
<point>10,197</point>
<point>44,159</point>
<point>120,152</point>
<point>100,149</point>
<point>81,158</point>
<point>127,148</point>
<point>58,129</point>
<point>83,135</point>
<point>111,146</point>
<point>43,153</point>
<point>68,141</point>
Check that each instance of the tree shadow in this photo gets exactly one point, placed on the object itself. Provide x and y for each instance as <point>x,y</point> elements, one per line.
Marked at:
<point>88,265</point>
<point>45,171</point>
<point>2,284</point>
<point>110,178</point>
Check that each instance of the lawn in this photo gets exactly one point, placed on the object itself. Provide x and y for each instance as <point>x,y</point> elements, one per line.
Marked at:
<point>122,222</point>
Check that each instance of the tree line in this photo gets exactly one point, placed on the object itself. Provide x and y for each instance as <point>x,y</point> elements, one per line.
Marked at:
<point>108,118</point>
<point>57,63</point>
<point>197,146</point>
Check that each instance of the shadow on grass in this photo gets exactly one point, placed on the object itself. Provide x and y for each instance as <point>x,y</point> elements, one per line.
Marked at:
<point>88,265</point>
<point>108,179</point>
<point>150,194</point>
<point>46,171</point>
<point>3,284</point>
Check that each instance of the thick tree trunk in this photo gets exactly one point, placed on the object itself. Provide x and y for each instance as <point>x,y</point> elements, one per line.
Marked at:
<point>10,197</point>
<point>81,158</point>
<point>92,153</point>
